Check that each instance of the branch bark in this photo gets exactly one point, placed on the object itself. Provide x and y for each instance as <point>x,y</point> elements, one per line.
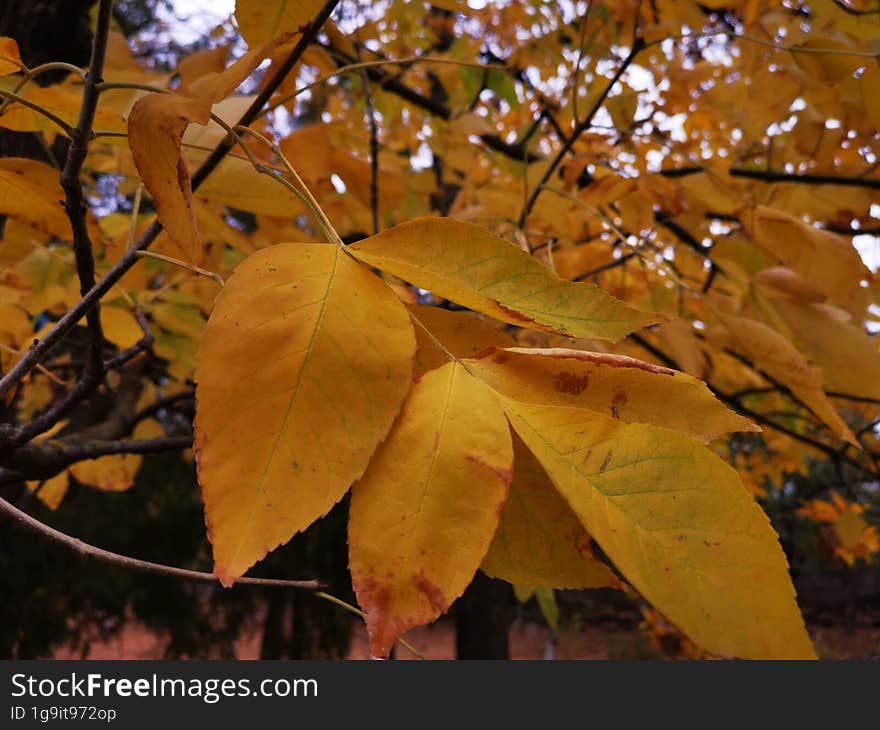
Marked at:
<point>124,561</point>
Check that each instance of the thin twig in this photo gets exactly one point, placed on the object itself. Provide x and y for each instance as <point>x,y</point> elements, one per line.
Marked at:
<point>374,152</point>
<point>580,128</point>
<point>124,561</point>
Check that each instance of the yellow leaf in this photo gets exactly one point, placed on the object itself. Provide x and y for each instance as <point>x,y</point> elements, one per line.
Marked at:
<point>786,281</point>
<point>262,20</point>
<point>850,528</point>
<point>237,184</point>
<point>63,101</point>
<point>155,128</point>
<point>679,340</point>
<point>199,64</point>
<point>120,327</point>
<point>829,68</point>
<point>677,523</point>
<point>869,83</point>
<point>848,357</point>
<point>827,262</point>
<point>423,515</point>
<point>30,192</point>
<point>461,333</point>
<point>10,60</point>
<point>472,266</point>
<point>300,373</point>
<point>51,491</point>
<point>540,541</point>
<point>215,86</point>
<point>613,385</point>
<point>622,108</point>
<point>117,472</point>
<point>771,353</point>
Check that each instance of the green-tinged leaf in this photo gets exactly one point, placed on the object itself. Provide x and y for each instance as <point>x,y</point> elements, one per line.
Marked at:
<point>546,599</point>
<point>470,265</point>
<point>540,541</point>
<point>677,523</point>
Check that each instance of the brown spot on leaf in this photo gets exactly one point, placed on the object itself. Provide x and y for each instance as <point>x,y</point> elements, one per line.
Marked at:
<point>571,383</point>
<point>435,596</point>
<point>605,462</point>
<point>620,397</point>
<point>514,315</point>
<point>584,545</point>
<point>505,474</point>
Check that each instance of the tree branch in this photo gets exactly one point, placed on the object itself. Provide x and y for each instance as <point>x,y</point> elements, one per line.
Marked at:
<point>392,84</point>
<point>75,200</point>
<point>582,126</point>
<point>735,403</point>
<point>124,561</point>
<point>804,178</point>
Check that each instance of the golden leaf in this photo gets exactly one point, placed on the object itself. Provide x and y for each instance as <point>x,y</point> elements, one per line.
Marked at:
<point>470,265</point>
<point>677,523</point>
<point>300,373</point>
<point>424,514</point>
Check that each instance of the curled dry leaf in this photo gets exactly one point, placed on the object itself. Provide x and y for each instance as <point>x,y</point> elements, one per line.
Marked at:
<point>155,127</point>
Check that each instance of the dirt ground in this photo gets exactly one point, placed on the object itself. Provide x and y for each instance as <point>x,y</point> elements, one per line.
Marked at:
<point>527,640</point>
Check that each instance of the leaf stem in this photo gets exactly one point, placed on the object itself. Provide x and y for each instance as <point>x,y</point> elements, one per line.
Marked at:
<point>353,609</point>
<point>198,271</point>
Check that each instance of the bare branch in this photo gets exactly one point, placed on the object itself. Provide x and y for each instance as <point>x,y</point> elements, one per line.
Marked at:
<point>124,561</point>
<point>582,126</point>
<point>75,203</point>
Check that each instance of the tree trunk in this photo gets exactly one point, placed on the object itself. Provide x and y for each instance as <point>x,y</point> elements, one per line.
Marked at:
<point>482,620</point>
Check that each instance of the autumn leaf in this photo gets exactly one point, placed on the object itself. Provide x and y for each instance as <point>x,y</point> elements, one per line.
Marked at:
<point>470,265</point>
<point>460,334</point>
<point>776,356</point>
<point>423,515</point>
<point>262,20</point>
<point>30,192</point>
<point>613,385</point>
<point>317,357</point>
<point>676,521</point>
<point>51,492</point>
<point>540,541</point>
<point>155,128</point>
<point>10,60</point>
<point>115,472</point>
<point>215,86</point>
<point>826,261</point>
<point>848,357</point>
